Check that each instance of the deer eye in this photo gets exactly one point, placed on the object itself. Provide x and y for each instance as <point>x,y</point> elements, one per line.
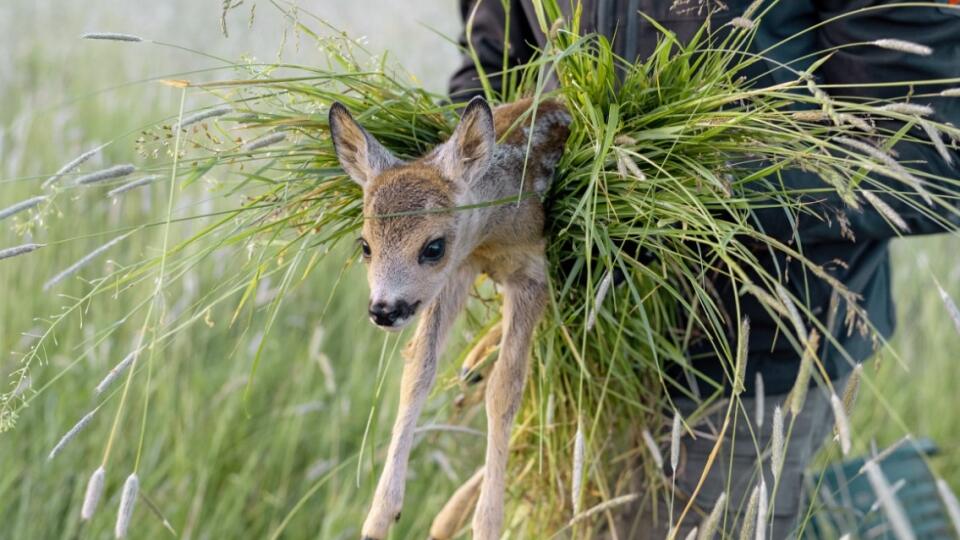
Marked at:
<point>433,251</point>
<point>364,248</point>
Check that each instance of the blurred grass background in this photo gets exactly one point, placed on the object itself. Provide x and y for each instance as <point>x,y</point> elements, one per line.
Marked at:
<point>214,465</point>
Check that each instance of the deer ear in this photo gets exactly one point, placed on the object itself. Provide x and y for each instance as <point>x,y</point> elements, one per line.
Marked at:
<point>360,154</point>
<point>466,156</point>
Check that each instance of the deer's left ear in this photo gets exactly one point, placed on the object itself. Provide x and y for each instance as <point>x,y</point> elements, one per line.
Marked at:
<point>466,156</point>
<point>360,154</point>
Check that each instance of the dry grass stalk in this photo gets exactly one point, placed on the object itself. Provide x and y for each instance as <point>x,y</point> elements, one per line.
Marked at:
<point>891,506</point>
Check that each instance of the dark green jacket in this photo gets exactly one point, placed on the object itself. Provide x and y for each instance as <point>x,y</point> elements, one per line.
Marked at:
<point>863,263</point>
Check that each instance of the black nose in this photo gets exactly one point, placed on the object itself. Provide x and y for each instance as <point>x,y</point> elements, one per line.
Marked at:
<point>384,314</point>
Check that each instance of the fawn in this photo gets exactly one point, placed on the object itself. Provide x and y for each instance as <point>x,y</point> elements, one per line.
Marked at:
<point>426,236</point>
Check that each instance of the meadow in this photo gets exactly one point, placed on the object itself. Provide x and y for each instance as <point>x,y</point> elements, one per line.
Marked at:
<point>297,455</point>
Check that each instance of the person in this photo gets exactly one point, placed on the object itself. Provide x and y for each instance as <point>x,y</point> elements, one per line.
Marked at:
<point>852,246</point>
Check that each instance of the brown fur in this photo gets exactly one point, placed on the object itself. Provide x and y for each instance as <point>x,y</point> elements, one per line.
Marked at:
<point>509,153</point>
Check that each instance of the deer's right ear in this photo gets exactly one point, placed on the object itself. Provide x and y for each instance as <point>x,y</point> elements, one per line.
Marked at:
<point>360,155</point>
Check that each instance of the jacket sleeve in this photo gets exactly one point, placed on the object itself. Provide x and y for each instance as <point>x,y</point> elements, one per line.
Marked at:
<point>858,69</point>
<point>490,37</point>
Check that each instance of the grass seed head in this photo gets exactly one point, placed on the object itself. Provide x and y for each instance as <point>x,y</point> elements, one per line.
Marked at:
<point>112,36</point>
<point>950,92</point>
<point>740,368</point>
<point>748,522</point>
<point>133,184</point>
<point>841,423</point>
<point>18,250</point>
<point>888,500</point>
<point>264,141</point>
<point>709,526</point>
<point>742,23</point>
<point>602,291</point>
<point>675,433</point>
<point>798,394</point>
<point>91,498</point>
<point>950,501</point>
<point>934,135</point>
<point>759,396</point>
<point>652,447</point>
<point>762,504</point>
<point>71,434</point>
<point>947,302</point>
<point>72,165</point>
<point>903,45</point>
<point>117,171</point>
<point>117,371</point>
<point>75,267</point>
<point>852,388</point>
<point>200,116</point>
<point>885,210</point>
<point>579,447</point>
<point>128,500</point>
<point>777,448</point>
<point>911,109</point>
<point>21,206</point>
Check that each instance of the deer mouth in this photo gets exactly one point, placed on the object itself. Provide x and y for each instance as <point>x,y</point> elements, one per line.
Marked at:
<point>397,318</point>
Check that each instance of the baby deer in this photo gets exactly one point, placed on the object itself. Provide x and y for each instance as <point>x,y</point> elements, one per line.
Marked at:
<point>426,235</point>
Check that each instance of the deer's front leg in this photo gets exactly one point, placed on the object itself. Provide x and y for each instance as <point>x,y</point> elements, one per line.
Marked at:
<point>524,300</point>
<point>419,371</point>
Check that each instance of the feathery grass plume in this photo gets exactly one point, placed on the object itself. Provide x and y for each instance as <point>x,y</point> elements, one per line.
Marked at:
<point>91,498</point>
<point>628,168</point>
<point>841,423</point>
<point>762,505</point>
<point>903,45</point>
<point>579,447</point>
<point>891,506</point>
<point>758,398</point>
<point>778,450</point>
<point>117,371</point>
<point>200,116</point>
<point>675,433</point>
<point>743,23</point>
<point>895,170</point>
<point>128,500</point>
<point>603,507</point>
<point>652,447</point>
<point>72,433</point>
<point>117,171</point>
<point>18,250</point>
<point>911,109</point>
<point>885,210</point>
<point>852,388</point>
<point>71,165</point>
<point>740,368</point>
<point>950,92</point>
<point>602,291</point>
<point>133,184</point>
<point>264,141</point>
<point>709,526</point>
<point>748,522</point>
<point>21,206</point>
<point>794,313</point>
<point>112,36</point>
<point>950,501</point>
<point>798,394</point>
<point>934,135</point>
<point>947,302</point>
<point>73,268</point>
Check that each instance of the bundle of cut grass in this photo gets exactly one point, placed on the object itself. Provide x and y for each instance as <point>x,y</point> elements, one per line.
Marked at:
<point>667,162</point>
